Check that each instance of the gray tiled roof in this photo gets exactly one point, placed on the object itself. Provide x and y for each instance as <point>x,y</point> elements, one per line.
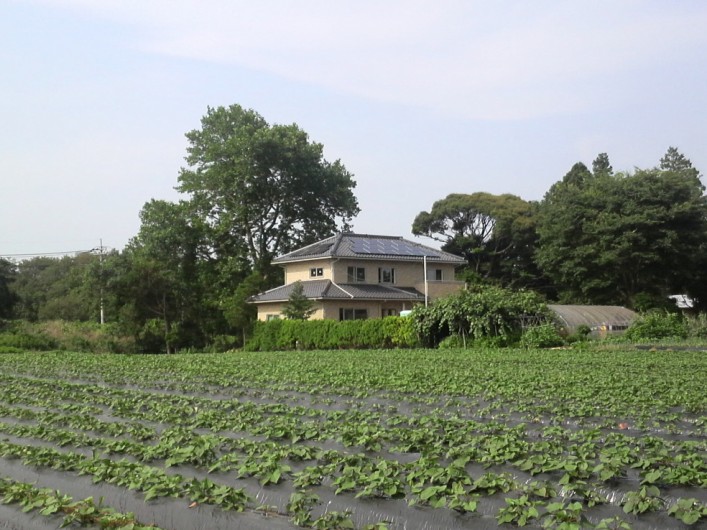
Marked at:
<point>327,290</point>
<point>364,246</point>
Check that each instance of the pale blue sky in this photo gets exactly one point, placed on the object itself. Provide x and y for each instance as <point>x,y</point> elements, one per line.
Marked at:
<point>418,99</point>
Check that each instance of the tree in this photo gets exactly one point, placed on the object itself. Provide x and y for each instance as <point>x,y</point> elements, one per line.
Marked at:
<point>624,238</point>
<point>298,306</point>
<point>162,280</point>
<point>578,175</point>
<point>265,189</point>
<point>495,233</point>
<point>601,165</point>
<point>56,288</point>
<point>7,296</point>
<point>675,161</point>
<point>239,312</point>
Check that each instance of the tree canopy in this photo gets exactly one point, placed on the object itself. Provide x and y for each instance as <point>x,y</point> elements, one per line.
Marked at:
<point>495,233</point>
<point>629,238</point>
<point>265,189</point>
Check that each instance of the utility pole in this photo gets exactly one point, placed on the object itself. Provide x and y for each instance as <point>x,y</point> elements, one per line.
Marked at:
<point>100,258</point>
<point>100,249</point>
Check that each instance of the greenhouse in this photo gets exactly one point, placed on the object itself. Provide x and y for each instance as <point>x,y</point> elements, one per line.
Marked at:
<point>601,319</point>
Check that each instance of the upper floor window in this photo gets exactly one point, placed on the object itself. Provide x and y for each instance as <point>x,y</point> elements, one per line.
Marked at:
<point>316,271</point>
<point>434,275</point>
<point>356,274</point>
<point>386,275</point>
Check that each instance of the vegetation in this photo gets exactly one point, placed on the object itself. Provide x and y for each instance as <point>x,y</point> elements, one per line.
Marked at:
<point>480,313</point>
<point>389,332</point>
<point>253,190</point>
<point>495,233</point>
<point>554,439</point>
<point>628,239</point>
<point>298,306</point>
<point>597,237</point>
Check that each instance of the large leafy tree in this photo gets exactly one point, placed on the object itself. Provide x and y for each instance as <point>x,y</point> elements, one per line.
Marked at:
<point>265,189</point>
<point>629,238</point>
<point>495,233</point>
<point>162,281</point>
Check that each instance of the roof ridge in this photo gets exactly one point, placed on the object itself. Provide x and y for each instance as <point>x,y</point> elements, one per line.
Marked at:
<point>339,237</point>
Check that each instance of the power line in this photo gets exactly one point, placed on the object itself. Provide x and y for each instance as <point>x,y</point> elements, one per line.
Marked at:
<point>38,254</point>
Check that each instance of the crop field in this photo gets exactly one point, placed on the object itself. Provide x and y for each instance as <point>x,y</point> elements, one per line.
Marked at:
<point>422,439</point>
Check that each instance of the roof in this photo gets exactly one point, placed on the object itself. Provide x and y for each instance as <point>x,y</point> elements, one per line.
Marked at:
<point>593,316</point>
<point>328,290</point>
<point>364,246</point>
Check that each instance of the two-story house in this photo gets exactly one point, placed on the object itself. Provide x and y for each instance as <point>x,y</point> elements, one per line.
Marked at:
<point>355,276</point>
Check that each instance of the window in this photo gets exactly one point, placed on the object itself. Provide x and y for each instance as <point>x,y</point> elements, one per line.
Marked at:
<point>346,313</point>
<point>356,274</point>
<point>386,275</point>
<point>272,317</point>
<point>316,271</point>
<point>434,275</point>
<point>389,312</point>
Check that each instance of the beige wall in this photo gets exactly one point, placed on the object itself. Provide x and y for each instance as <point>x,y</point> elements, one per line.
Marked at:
<point>331,307</point>
<point>275,308</point>
<point>439,289</point>
<point>407,274</point>
<point>300,270</point>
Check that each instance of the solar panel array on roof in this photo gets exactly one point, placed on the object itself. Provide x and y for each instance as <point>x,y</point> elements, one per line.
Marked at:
<point>389,247</point>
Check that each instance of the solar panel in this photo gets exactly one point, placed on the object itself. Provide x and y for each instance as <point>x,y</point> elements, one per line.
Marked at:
<point>389,247</point>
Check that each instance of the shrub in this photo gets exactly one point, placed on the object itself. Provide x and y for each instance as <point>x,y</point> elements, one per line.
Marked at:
<point>541,336</point>
<point>70,336</point>
<point>697,326</point>
<point>279,334</point>
<point>658,325</point>
<point>451,342</point>
<point>481,312</point>
<point>24,341</point>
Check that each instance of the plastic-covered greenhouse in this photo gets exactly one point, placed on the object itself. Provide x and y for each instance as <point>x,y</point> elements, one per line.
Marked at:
<point>601,319</point>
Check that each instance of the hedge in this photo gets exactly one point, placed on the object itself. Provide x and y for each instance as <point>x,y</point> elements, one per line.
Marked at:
<point>278,335</point>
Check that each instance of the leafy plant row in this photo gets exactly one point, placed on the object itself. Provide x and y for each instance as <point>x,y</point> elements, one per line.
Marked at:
<point>49,502</point>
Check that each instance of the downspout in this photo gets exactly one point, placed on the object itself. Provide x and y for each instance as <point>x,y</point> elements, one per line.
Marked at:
<point>336,284</point>
<point>424,269</point>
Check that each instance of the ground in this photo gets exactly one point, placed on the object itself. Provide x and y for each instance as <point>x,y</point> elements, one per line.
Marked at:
<point>366,439</point>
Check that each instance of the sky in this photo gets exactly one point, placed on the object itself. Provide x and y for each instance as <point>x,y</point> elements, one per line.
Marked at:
<point>418,99</point>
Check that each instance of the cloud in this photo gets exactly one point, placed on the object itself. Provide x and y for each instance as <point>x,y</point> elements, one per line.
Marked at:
<point>501,60</point>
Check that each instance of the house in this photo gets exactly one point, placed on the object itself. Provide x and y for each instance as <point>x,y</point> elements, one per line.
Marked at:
<point>355,276</point>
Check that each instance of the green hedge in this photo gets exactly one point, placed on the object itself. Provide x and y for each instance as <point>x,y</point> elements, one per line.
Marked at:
<point>390,332</point>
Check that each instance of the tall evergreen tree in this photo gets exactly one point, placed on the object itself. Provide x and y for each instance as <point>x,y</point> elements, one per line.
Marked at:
<point>298,306</point>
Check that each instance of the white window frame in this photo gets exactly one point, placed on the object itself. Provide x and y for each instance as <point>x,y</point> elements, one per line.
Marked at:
<point>351,313</point>
<point>355,274</point>
<point>389,271</point>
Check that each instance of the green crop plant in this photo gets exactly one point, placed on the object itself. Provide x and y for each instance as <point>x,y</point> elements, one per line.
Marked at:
<point>689,511</point>
<point>646,499</point>
<point>519,511</point>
